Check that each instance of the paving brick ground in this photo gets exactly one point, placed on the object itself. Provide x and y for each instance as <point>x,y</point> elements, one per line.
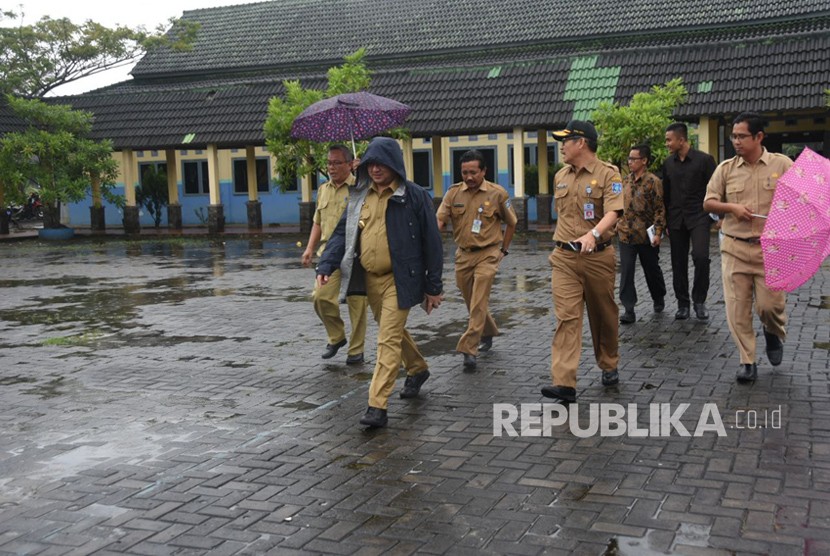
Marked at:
<point>166,396</point>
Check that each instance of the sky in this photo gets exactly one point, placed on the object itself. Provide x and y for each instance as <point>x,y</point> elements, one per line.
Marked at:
<point>149,13</point>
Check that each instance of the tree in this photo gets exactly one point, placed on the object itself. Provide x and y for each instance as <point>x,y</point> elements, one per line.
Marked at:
<point>299,157</point>
<point>644,120</point>
<point>35,59</point>
<point>55,156</point>
<point>152,193</point>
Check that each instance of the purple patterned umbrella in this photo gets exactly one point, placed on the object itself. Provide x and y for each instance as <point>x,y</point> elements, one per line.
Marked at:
<point>349,116</point>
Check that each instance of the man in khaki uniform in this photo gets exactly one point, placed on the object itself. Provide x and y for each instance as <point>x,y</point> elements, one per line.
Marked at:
<point>331,202</point>
<point>477,208</point>
<point>388,243</point>
<point>588,198</point>
<point>742,188</point>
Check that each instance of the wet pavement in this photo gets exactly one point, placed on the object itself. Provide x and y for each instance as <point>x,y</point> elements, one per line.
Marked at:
<point>166,396</point>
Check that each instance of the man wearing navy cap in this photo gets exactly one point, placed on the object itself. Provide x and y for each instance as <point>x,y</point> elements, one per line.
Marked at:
<point>588,198</point>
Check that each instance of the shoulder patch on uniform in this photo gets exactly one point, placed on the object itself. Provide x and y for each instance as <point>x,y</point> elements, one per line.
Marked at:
<point>616,187</point>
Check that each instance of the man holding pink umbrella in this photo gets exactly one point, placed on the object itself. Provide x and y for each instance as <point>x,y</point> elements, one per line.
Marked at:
<point>742,189</point>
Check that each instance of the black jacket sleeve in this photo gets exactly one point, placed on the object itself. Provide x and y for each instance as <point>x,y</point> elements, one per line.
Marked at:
<point>335,249</point>
<point>433,250</point>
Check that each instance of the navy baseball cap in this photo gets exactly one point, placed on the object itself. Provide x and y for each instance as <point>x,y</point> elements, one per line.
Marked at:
<point>576,128</point>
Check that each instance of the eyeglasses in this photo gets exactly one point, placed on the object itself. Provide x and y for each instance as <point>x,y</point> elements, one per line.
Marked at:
<point>630,158</point>
<point>572,138</point>
<point>335,162</point>
<point>738,137</point>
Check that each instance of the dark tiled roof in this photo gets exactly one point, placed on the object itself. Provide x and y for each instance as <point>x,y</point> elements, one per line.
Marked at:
<point>782,69</point>
<point>9,122</point>
<point>314,32</point>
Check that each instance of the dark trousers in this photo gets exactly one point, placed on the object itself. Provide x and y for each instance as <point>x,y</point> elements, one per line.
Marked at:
<point>650,260</point>
<point>679,239</point>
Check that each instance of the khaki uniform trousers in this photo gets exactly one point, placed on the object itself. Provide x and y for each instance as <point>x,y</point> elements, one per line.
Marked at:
<point>395,345</point>
<point>475,272</point>
<point>326,305</point>
<point>742,266</point>
<point>579,280</point>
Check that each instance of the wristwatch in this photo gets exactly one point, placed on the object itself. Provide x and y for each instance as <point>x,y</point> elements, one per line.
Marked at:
<point>596,233</point>
<point>504,251</point>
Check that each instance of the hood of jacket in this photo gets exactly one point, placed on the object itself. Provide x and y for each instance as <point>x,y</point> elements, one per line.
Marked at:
<point>381,150</point>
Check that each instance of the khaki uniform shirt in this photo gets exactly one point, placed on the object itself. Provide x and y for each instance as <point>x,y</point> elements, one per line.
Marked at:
<point>374,244</point>
<point>751,185</point>
<point>644,206</point>
<point>488,203</point>
<point>331,202</point>
<point>582,198</point>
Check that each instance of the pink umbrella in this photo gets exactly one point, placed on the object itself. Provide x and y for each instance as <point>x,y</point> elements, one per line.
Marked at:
<point>796,236</point>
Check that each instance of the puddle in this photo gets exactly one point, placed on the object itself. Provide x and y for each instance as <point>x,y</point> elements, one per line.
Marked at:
<point>357,466</point>
<point>525,284</point>
<point>110,306</point>
<point>692,534</point>
<point>51,389</point>
<point>300,405</point>
<point>10,380</point>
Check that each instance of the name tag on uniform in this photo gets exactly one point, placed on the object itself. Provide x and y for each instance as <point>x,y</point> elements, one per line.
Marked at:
<point>476,229</point>
<point>588,209</point>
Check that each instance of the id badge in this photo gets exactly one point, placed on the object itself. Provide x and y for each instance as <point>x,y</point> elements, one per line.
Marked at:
<point>589,211</point>
<point>476,226</point>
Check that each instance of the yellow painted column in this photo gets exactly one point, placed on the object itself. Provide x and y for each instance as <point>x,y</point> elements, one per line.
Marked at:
<point>408,157</point>
<point>213,175</point>
<point>128,171</point>
<point>305,186</point>
<point>518,162</point>
<point>250,160</point>
<point>172,177</point>
<point>542,160</point>
<point>708,136</point>
<point>437,166</point>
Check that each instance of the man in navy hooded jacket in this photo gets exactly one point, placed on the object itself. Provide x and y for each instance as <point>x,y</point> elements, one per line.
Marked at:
<point>387,244</point>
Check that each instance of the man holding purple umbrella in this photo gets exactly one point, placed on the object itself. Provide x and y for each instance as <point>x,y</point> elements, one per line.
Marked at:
<point>742,189</point>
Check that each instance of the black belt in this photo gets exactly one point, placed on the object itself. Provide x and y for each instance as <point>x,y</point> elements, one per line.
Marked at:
<point>474,249</point>
<point>568,247</point>
<point>752,240</point>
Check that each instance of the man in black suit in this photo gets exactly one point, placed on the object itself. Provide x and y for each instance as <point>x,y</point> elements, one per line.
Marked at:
<point>686,173</point>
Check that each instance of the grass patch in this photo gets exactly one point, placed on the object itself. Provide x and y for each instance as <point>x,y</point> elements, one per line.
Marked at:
<point>75,340</point>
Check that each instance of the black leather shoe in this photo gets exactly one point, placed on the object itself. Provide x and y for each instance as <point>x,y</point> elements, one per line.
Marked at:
<point>375,418</point>
<point>628,317</point>
<point>700,311</point>
<point>682,313</point>
<point>659,306</point>
<point>486,343</point>
<point>469,361</point>
<point>412,384</point>
<point>610,378</point>
<point>332,349</point>
<point>775,348</point>
<point>564,394</point>
<point>747,373</point>
<point>355,359</point>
